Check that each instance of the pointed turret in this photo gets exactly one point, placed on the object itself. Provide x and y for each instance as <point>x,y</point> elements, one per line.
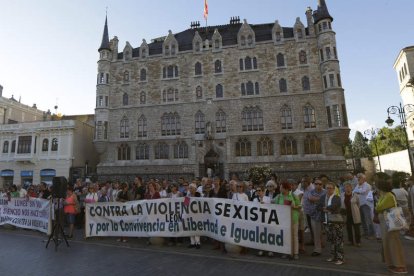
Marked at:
<point>105,37</point>
<point>322,12</point>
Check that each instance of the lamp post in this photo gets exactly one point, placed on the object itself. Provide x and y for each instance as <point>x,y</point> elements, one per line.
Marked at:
<point>373,133</point>
<point>401,112</point>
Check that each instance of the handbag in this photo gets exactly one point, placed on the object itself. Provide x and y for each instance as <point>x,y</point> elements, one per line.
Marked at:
<point>394,219</point>
<point>335,218</point>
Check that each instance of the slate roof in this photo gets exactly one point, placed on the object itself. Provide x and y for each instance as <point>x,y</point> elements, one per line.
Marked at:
<point>263,32</point>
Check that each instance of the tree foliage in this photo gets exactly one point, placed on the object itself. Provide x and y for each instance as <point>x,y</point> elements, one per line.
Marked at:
<point>391,140</point>
<point>360,148</point>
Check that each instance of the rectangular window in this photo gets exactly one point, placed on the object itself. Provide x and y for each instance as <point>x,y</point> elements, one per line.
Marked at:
<point>335,53</point>
<point>99,130</point>
<point>100,102</point>
<point>328,114</point>
<point>331,80</point>
<point>336,115</point>
<point>105,130</point>
<point>325,83</point>
<point>106,100</point>
<point>321,54</point>
<point>328,52</point>
<point>107,78</point>
<point>25,144</point>
<point>344,116</point>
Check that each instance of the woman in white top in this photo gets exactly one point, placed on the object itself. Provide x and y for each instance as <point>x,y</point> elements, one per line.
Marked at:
<point>91,196</point>
<point>261,198</point>
<point>240,195</point>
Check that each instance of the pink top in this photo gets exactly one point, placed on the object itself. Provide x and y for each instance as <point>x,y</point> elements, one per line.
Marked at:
<point>69,208</point>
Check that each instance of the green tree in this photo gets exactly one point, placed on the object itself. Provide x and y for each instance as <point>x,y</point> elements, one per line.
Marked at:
<point>360,148</point>
<point>391,140</point>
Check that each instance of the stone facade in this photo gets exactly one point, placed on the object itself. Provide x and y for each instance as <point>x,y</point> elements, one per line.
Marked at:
<point>224,97</point>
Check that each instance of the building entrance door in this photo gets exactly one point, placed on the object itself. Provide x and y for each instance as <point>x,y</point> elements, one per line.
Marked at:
<point>212,166</point>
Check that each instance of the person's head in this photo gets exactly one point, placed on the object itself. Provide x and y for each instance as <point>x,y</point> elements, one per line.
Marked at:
<point>207,188</point>
<point>137,181</point>
<point>324,178</point>
<point>285,187</point>
<point>151,187</point>
<point>348,187</point>
<point>115,185</point>
<point>233,185</point>
<point>384,185</point>
<point>240,187</point>
<point>174,188</point>
<point>361,178</point>
<point>69,191</point>
<point>318,184</point>
<point>330,188</point>
<point>103,190</point>
<point>293,184</point>
<point>217,182</point>
<point>125,187</point>
<point>270,186</point>
<point>192,188</point>
<point>91,189</point>
<point>260,190</point>
<point>306,181</point>
<point>186,185</point>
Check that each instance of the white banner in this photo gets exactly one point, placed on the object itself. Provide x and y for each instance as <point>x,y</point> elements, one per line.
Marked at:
<point>249,224</point>
<point>33,213</point>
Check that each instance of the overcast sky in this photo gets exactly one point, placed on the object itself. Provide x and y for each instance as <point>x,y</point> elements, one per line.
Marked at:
<point>48,49</point>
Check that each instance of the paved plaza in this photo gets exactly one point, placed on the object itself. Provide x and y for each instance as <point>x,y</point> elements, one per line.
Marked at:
<point>23,252</point>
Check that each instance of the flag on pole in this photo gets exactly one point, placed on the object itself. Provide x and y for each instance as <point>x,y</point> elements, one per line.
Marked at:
<point>205,9</point>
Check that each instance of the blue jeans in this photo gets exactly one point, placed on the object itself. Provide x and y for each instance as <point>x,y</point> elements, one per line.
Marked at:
<point>366,220</point>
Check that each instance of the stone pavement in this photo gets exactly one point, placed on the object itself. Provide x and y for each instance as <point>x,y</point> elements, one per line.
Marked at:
<point>104,254</point>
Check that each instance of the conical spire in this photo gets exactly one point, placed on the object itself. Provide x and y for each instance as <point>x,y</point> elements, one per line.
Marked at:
<point>322,12</point>
<point>105,37</point>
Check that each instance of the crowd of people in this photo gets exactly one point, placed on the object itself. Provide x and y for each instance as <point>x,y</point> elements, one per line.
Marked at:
<point>324,208</point>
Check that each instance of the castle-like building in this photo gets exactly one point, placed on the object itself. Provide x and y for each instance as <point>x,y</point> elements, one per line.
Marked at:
<point>221,99</point>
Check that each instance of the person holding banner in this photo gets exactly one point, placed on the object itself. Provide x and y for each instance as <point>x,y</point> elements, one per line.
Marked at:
<point>262,199</point>
<point>286,197</point>
<point>192,192</point>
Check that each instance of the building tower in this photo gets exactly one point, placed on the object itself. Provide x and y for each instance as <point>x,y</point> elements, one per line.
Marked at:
<point>331,78</point>
<point>102,91</point>
<point>404,66</point>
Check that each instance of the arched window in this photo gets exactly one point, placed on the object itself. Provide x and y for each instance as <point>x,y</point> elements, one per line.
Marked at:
<point>125,99</point>
<point>302,57</point>
<point>220,121</point>
<point>288,146</point>
<point>180,150</point>
<point>243,147</point>
<point>199,92</point>
<point>197,46</point>
<point>309,119</point>
<point>143,75</point>
<point>241,63</point>
<point>126,76</point>
<point>247,63</point>
<point>161,151</point>
<point>312,145</point>
<point>173,47</point>
<point>242,40</point>
<point>286,118</point>
<point>254,63</point>
<point>142,152</point>
<point>250,40</point>
<point>6,147</point>
<point>248,89</point>
<point>219,91</point>
<point>283,86</point>
<point>170,124</point>
<point>200,124</point>
<point>124,152</point>
<point>305,83</point>
<point>142,98</point>
<point>280,60</point>
<point>54,144</point>
<point>45,145</point>
<point>252,119</point>
<point>217,66</point>
<point>170,71</point>
<point>217,44</point>
<point>198,69</point>
<point>142,126</point>
<point>264,147</point>
<point>124,128</point>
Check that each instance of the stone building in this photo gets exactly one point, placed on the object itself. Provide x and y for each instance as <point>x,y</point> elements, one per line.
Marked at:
<point>221,99</point>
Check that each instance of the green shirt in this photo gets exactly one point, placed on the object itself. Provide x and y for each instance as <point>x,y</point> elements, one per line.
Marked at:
<point>280,199</point>
<point>385,202</point>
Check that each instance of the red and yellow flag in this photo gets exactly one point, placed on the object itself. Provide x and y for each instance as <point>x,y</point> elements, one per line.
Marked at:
<point>205,9</point>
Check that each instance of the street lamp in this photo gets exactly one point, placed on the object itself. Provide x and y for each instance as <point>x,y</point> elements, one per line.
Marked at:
<point>373,133</point>
<point>401,112</point>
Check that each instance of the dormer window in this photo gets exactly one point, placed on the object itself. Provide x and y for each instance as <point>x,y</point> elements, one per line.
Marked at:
<point>216,44</point>
<point>278,37</point>
<point>173,49</point>
<point>167,50</point>
<point>144,53</point>
<point>242,41</point>
<point>299,33</point>
<point>249,40</point>
<point>197,46</point>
